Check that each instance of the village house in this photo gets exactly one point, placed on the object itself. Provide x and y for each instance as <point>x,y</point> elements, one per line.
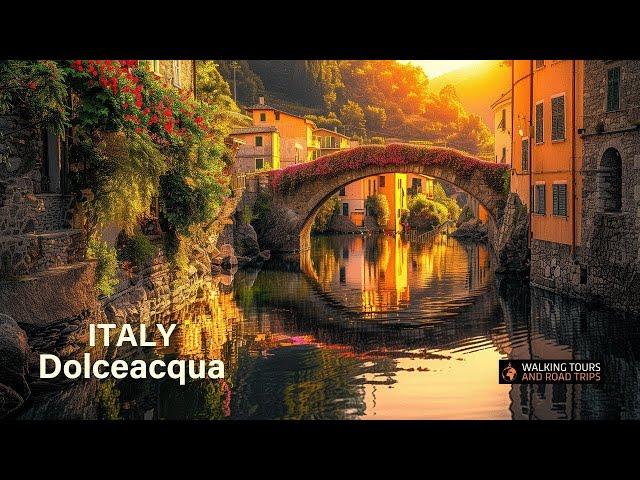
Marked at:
<point>297,143</point>
<point>259,148</point>
<point>501,109</point>
<point>547,116</point>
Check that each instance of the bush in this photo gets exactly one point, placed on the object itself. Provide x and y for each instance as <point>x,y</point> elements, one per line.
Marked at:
<point>440,196</point>
<point>325,213</point>
<point>425,213</point>
<point>378,207</point>
<point>138,250</point>
<point>106,277</point>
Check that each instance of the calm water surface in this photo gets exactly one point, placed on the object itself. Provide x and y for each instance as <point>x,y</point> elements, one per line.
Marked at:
<point>377,328</point>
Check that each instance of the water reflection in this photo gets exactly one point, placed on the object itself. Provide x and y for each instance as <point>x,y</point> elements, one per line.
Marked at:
<point>374,327</point>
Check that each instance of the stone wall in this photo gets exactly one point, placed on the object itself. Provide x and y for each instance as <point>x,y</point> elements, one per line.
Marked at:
<point>611,238</point>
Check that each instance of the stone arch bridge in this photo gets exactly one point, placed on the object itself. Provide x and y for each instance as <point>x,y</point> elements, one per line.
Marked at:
<point>295,194</point>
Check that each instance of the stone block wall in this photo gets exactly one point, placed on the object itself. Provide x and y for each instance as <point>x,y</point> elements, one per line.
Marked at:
<point>554,268</point>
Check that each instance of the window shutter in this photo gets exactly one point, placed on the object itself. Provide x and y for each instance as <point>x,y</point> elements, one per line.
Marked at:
<point>562,199</point>
<point>539,63</point>
<point>556,207</point>
<point>540,123</point>
<point>613,89</point>
<point>557,118</point>
<point>525,154</point>
<point>540,199</point>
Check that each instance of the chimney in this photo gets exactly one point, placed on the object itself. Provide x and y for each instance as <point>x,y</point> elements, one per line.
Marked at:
<point>261,100</point>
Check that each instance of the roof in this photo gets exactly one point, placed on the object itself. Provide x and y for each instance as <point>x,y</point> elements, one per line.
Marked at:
<point>255,129</point>
<point>331,131</point>
<point>505,96</point>
<point>262,106</point>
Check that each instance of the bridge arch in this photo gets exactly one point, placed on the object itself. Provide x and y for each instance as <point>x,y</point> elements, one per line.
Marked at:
<point>299,191</point>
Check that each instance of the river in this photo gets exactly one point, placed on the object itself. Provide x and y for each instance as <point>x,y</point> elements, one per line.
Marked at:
<point>372,327</point>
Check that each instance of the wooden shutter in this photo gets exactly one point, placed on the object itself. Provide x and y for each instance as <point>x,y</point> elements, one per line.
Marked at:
<point>540,123</point>
<point>557,118</point>
<point>540,199</point>
<point>525,155</point>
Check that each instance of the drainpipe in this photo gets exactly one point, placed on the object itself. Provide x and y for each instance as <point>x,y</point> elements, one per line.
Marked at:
<point>530,132</point>
<point>573,159</point>
<point>512,111</point>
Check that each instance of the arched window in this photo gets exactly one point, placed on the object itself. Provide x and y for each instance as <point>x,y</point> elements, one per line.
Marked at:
<point>611,180</point>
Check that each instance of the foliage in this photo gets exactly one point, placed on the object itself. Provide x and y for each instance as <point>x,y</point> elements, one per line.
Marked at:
<point>465,215</point>
<point>37,90</point>
<point>378,207</point>
<point>126,170</point>
<point>425,213</point>
<point>394,97</point>
<point>377,141</point>
<point>330,122</point>
<point>213,89</point>
<point>323,217</point>
<point>358,158</point>
<point>107,403</point>
<point>440,196</point>
<point>138,250</point>
<point>106,277</point>
<point>404,215</point>
<point>248,85</point>
<point>352,116</point>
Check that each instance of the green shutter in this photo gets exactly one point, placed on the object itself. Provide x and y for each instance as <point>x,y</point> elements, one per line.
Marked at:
<point>613,89</point>
<point>555,199</point>
<point>525,155</point>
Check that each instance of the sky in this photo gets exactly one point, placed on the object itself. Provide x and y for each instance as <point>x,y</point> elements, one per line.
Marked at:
<point>435,68</point>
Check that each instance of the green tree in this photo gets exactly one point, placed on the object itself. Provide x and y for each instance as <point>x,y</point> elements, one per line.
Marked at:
<point>378,207</point>
<point>352,116</point>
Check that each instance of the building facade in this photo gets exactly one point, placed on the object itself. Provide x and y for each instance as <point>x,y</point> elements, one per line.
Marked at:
<point>297,142</point>
<point>547,162</point>
<point>259,149</point>
<point>611,191</point>
<point>501,109</point>
<point>329,141</point>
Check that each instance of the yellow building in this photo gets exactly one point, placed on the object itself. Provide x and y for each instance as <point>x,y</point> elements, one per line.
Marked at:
<point>420,184</point>
<point>329,141</point>
<point>259,149</point>
<point>297,143</point>
<point>501,109</point>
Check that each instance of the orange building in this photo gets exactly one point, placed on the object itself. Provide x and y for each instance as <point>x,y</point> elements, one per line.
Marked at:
<point>297,142</point>
<point>258,148</point>
<point>547,157</point>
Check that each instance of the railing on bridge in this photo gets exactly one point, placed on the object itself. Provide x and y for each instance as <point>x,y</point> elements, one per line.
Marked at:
<point>414,236</point>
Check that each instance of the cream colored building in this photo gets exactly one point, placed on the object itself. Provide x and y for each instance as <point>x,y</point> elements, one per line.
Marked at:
<point>502,128</point>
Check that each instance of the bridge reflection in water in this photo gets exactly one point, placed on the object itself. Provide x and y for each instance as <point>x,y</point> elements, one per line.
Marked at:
<point>374,327</point>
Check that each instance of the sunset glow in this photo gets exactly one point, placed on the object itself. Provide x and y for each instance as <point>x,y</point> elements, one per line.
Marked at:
<point>435,68</point>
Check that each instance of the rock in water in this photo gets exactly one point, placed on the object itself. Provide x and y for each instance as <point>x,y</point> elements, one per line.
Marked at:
<point>245,241</point>
<point>14,353</point>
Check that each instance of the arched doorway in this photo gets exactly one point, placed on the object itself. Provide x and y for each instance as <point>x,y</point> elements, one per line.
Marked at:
<point>610,180</point>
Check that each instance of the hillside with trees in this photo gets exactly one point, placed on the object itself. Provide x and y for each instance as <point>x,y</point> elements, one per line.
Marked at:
<point>367,99</point>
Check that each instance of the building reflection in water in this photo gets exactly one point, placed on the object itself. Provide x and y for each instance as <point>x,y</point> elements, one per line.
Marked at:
<point>375,327</point>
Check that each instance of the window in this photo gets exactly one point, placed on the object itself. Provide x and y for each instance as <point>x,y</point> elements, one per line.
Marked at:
<point>613,89</point>
<point>503,120</point>
<point>610,180</point>
<point>399,183</point>
<point>560,199</point>
<point>539,122</point>
<point>539,200</point>
<point>176,73</point>
<point>277,114</point>
<point>259,163</point>
<point>258,141</point>
<point>382,181</point>
<point>504,155</point>
<point>557,118</point>
<point>342,192</point>
<point>525,155</point>
<point>539,63</point>
<point>154,65</point>
<point>416,184</point>
<point>297,159</point>
<point>263,117</point>
<point>345,209</point>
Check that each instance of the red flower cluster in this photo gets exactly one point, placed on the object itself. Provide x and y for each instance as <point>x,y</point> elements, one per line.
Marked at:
<point>395,154</point>
<point>174,116</point>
